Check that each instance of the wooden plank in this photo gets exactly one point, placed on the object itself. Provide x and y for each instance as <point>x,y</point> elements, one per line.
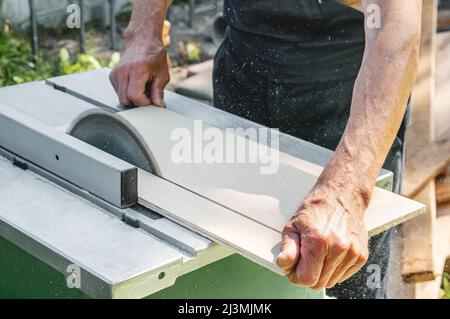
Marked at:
<point>271,197</point>
<point>443,190</point>
<point>442,103</point>
<point>442,106</point>
<point>261,203</point>
<point>197,86</point>
<point>445,211</point>
<point>431,289</point>
<point>252,239</point>
<point>201,67</point>
<point>444,18</point>
<point>418,262</point>
<point>447,263</point>
<point>425,164</point>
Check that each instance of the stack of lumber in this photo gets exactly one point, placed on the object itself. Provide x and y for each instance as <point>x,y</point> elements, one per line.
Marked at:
<point>426,240</point>
<point>443,189</point>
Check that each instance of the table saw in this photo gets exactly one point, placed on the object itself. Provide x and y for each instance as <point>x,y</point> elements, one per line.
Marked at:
<point>52,218</point>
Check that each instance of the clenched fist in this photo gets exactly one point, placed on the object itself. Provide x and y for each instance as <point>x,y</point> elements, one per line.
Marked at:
<point>325,242</point>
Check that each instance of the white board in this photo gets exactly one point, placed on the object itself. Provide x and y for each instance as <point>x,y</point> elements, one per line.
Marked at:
<point>233,203</point>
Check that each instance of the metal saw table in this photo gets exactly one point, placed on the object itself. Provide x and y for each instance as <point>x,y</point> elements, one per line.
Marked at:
<point>48,223</point>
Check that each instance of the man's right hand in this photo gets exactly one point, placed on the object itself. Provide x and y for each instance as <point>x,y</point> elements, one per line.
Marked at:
<point>142,73</point>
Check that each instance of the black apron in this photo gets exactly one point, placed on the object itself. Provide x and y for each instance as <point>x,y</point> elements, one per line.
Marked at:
<point>292,65</point>
<point>320,42</point>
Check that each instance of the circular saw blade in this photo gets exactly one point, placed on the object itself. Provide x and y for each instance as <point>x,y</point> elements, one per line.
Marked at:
<point>114,135</point>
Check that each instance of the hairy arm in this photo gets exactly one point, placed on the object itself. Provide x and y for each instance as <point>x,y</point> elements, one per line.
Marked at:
<point>326,242</point>
<point>380,96</point>
<point>142,73</point>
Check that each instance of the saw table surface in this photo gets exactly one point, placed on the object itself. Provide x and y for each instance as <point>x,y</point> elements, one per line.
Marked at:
<point>122,253</point>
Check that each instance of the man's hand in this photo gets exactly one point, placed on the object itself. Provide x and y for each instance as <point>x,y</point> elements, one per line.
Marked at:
<point>142,73</point>
<point>325,242</point>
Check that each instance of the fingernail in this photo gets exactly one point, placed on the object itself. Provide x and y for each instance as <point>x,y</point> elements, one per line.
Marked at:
<point>281,255</point>
<point>158,103</point>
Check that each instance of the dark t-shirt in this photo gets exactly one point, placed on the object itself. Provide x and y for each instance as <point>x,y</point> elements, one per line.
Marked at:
<point>320,39</point>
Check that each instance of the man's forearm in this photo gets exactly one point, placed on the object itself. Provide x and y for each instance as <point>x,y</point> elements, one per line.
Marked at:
<point>147,20</point>
<point>379,100</point>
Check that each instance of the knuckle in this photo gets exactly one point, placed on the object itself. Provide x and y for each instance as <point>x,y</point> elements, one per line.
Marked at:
<point>289,228</point>
<point>294,280</point>
<point>363,257</point>
<point>137,64</point>
<point>308,281</point>
<point>341,246</point>
<point>120,70</point>
<point>282,264</point>
<point>353,253</point>
<point>133,92</point>
<point>133,96</point>
<point>296,219</point>
<point>317,240</point>
<point>137,99</point>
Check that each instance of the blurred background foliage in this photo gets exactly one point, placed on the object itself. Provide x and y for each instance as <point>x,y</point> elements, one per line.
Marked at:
<point>59,51</point>
<point>446,286</point>
<point>18,65</point>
